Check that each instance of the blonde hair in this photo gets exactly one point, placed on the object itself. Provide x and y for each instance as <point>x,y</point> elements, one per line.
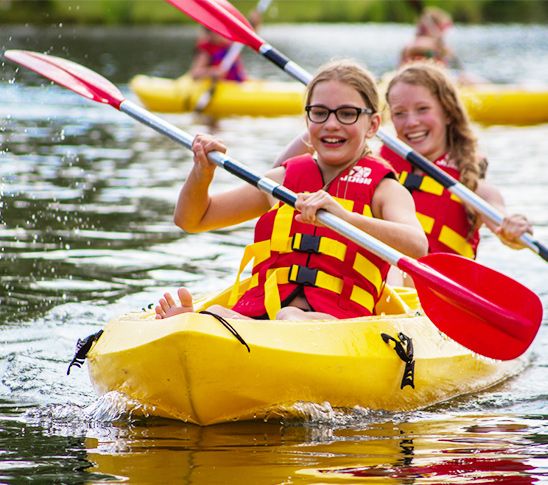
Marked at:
<point>348,72</point>
<point>461,141</point>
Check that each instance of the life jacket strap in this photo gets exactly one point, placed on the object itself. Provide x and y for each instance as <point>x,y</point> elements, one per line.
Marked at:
<point>260,251</point>
<point>447,236</point>
<point>309,243</point>
<point>456,242</point>
<point>305,276</point>
<point>414,181</point>
<point>426,222</point>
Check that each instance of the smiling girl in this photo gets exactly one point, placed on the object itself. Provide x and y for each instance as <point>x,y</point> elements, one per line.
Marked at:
<point>301,269</point>
<point>428,116</point>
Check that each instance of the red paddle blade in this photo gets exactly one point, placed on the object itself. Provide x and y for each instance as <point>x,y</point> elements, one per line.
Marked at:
<point>221,17</point>
<point>485,311</point>
<point>73,76</point>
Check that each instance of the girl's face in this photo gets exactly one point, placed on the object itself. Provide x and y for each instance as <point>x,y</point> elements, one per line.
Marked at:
<point>419,119</point>
<point>338,144</point>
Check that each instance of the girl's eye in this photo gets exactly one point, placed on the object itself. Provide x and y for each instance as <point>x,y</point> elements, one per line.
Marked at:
<point>347,114</point>
<point>319,113</point>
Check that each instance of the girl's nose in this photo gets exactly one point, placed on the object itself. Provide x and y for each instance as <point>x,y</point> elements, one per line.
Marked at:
<point>332,121</point>
<point>411,119</point>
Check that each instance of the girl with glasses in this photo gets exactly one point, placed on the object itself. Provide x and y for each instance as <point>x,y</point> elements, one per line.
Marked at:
<point>301,269</point>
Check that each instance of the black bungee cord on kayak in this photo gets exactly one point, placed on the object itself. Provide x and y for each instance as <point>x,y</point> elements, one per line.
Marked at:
<point>404,348</point>
<point>229,327</point>
<point>82,348</point>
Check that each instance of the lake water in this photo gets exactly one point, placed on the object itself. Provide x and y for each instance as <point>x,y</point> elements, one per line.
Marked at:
<point>86,234</point>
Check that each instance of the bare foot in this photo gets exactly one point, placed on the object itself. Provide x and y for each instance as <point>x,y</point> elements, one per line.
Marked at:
<point>168,307</point>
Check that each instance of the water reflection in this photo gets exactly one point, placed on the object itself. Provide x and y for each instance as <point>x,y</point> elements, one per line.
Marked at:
<point>456,450</point>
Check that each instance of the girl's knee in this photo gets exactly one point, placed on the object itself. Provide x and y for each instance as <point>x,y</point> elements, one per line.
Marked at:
<point>290,313</point>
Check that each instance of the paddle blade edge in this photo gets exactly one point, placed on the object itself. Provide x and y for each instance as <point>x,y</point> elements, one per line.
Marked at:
<point>70,75</point>
<point>221,17</point>
<point>480,308</point>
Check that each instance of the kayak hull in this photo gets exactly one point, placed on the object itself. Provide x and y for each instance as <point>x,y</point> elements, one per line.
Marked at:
<point>492,104</point>
<point>230,98</point>
<point>486,103</point>
<point>190,367</point>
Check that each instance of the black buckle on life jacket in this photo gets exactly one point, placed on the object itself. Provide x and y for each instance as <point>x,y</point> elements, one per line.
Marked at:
<point>413,181</point>
<point>303,275</point>
<point>307,243</point>
<point>404,349</point>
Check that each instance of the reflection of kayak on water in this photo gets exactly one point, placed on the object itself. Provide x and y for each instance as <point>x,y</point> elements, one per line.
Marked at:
<point>248,98</point>
<point>486,103</point>
<point>194,368</point>
<point>381,451</point>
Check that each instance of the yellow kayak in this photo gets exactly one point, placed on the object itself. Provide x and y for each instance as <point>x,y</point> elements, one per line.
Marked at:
<point>486,103</point>
<point>493,104</point>
<point>193,368</point>
<point>230,98</point>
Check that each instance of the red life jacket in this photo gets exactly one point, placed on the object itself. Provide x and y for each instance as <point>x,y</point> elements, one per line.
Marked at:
<point>335,275</point>
<point>217,54</point>
<point>441,214</point>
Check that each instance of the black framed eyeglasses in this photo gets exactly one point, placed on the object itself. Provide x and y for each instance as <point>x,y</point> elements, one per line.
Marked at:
<point>347,115</point>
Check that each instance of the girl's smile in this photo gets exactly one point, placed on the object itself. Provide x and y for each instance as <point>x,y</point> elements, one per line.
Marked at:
<point>419,119</point>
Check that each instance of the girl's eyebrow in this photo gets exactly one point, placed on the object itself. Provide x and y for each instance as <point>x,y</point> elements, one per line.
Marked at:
<point>320,105</point>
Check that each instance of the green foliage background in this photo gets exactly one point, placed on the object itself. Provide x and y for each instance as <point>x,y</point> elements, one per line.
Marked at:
<point>159,11</point>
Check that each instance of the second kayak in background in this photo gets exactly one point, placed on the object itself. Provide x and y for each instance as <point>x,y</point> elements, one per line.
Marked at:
<point>230,98</point>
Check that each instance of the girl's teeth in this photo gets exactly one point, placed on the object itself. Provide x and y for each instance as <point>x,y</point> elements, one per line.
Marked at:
<point>415,136</point>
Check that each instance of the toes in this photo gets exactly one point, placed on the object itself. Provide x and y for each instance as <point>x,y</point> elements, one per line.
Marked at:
<point>164,304</point>
<point>169,299</point>
<point>185,297</point>
<point>167,307</point>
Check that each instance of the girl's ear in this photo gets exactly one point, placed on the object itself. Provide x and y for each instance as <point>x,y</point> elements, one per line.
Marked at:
<point>375,123</point>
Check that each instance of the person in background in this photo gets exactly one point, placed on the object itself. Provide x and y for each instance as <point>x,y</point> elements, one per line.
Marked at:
<point>429,41</point>
<point>429,44</point>
<point>211,49</point>
<point>302,269</point>
<point>428,116</point>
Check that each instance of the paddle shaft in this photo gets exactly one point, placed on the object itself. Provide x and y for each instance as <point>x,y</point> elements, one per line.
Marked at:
<point>402,149</point>
<point>230,58</point>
